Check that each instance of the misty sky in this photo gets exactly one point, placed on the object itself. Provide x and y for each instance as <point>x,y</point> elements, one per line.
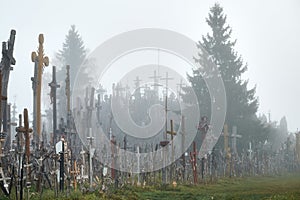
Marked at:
<point>267,34</point>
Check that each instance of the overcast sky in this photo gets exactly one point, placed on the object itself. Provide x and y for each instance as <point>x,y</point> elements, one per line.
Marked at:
<point>267,34</point>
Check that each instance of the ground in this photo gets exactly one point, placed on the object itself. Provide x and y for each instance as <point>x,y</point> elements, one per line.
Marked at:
<point>267,187</point>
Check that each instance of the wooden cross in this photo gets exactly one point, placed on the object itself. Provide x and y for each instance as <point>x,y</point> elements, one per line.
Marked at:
<point>1,98</point>
<point>42,61</point>
<point>172,133</point>
<point>26,131</point>
<point>75,173</point>
<point>53,85</point>
<point>2,134</point>
<point>193,156</point>
<point>5,67</point>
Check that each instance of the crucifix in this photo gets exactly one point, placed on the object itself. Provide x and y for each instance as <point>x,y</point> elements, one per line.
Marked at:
<point>5,68</point>
<point>40,61</point>
<point>53,85</point>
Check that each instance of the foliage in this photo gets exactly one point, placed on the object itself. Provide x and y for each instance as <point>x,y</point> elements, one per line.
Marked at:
<point>242,104</point>
<point>73,53</point>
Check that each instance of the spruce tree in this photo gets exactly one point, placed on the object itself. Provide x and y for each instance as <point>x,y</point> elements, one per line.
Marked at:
<point>73,53</point>
<point>242,104</point>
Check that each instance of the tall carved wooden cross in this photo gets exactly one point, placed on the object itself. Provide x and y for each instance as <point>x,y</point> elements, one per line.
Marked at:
<point>42,61</point>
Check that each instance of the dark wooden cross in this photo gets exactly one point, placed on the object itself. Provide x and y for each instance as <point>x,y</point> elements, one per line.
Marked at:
<point>193,156</point>
<point>5,67</point>
<point>53,85</point>
<point>2,134</point>
<point>26,131</point>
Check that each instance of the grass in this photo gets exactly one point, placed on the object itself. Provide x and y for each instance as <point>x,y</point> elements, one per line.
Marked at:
<point>268,187</point>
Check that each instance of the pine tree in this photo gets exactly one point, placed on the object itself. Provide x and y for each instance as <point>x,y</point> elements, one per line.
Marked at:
<point>242,104</point>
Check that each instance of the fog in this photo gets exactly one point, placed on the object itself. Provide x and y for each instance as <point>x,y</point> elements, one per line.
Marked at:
<point>267,36</point>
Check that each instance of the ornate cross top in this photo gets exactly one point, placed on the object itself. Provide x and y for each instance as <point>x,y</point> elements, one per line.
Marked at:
<point>5,67</point>
<point>7,52</point>
<point>42,62</point>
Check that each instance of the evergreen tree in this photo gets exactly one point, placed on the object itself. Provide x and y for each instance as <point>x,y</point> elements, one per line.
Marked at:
<point>242,104</point>
<point>73,53</point>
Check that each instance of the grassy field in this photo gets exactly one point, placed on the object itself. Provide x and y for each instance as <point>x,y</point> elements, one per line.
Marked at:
<point>279,187</point>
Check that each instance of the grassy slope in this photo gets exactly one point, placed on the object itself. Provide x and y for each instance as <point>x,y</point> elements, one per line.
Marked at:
<point>284,187</point>
<point>280,187</point>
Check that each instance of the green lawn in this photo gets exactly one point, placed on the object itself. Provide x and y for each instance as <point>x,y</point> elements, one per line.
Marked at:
<point>284,187</point>
<point>279,187</point>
